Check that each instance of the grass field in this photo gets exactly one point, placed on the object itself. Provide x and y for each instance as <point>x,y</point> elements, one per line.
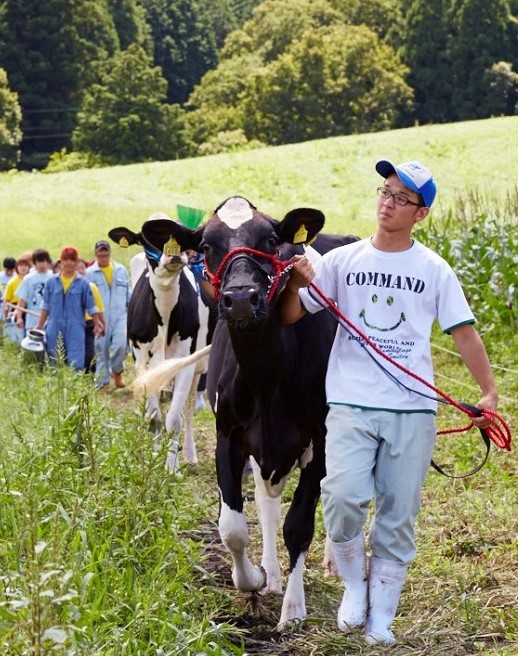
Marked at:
<point>102,553</point>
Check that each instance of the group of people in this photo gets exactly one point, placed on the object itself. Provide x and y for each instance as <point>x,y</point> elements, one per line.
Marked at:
<point>81,306</point>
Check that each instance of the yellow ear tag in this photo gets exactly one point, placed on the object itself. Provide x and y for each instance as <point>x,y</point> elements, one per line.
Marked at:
<point>123,242</point>
<point>172,247</point>
<point>301,235</point>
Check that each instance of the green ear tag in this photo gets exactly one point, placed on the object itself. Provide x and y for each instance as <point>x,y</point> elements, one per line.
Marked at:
<point>301,235</point>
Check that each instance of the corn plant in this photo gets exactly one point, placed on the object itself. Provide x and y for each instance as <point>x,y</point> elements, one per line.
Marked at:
<point>479,239</point>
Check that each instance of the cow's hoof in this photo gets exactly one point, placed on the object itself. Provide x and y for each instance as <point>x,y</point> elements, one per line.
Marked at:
<point>253,581</point>
<point>271,590</point>
<point>288,624</point>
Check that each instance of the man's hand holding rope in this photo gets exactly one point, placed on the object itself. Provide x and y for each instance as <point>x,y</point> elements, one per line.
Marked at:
<point>301,274</point>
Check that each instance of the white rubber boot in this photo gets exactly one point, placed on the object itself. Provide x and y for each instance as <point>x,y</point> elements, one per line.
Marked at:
<point>386,580</point>
<point>350,561</point>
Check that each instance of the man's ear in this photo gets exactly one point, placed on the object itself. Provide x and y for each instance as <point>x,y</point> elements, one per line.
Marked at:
<point>301,225</point>
<point>421,214</point>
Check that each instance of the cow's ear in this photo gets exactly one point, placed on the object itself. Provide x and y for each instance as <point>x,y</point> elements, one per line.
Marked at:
<point>124,237</point>
<point>187,238</point>
<point>300,226</point>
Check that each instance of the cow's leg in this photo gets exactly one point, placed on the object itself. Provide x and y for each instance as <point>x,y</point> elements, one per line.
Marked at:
<point>268,503</point>
<point>174,417</point>
<point>145,357</point>
<point>233,528</point>
<point>153,411</point>
<point>189,445</point>
<point>299,526</point>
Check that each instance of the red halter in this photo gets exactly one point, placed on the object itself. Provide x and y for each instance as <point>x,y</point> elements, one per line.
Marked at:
<point>279,266</point>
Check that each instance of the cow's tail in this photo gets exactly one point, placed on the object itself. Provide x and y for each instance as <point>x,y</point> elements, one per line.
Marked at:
<point>156,378</point>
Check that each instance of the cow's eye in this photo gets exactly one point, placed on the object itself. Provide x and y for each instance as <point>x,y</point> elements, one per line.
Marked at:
<point>272,242</point>
<point>205,248</point>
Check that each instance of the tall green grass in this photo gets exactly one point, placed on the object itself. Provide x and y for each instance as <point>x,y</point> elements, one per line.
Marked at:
<point>95,553</point>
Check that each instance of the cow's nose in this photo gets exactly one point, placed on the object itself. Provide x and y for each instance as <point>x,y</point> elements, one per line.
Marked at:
<point>240,302</point>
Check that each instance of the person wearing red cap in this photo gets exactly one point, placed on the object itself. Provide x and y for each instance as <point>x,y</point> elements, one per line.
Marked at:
<point>67,297</point>
<point>381,422</point>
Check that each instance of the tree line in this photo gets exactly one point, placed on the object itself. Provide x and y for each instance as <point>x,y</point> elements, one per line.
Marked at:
<point>102,82</point>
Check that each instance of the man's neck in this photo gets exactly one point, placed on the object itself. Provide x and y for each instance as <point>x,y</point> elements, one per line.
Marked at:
<point>392,242</point>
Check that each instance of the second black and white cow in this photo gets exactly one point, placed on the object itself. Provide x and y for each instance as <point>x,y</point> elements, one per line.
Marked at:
<point>168,317</point>
<point>265,382</point>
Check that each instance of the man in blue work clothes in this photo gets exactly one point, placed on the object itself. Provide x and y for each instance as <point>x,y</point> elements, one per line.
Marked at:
<point>112,280</point>
<point>66,298</point>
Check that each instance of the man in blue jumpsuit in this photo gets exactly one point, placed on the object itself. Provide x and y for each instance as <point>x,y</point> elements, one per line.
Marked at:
<point>113,283</point>
<point>66,298</point>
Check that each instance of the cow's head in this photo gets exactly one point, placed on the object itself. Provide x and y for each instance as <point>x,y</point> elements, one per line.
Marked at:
<point>157,238</point>
<point>246,252</point>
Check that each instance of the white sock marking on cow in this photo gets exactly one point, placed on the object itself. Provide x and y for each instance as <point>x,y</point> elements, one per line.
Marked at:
<point>294,602</point>
<point>269,512</point>
<point>234,535</point>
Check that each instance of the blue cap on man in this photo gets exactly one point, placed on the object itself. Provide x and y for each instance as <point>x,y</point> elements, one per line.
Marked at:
<point>413,175</point>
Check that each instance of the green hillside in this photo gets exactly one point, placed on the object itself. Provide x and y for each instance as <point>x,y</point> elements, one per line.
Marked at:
<point>337,175</point>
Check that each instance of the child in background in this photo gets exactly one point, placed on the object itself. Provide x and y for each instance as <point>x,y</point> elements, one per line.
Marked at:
<point>30,291</point>
<point>9,265</point>
<point>11,331</point>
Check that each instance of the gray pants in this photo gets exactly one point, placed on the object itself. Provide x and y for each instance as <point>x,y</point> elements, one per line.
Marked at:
<point>381,455</point>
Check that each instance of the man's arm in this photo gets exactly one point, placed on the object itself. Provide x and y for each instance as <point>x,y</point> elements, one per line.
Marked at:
<point>301,275</point>
<point>474,354</point>
<point>18,313</point>
<point>43,318</point>
<point>98,319</point>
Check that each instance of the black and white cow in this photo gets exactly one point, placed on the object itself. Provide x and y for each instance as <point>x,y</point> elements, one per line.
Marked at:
<point>168,317</point>
<point>265,382</point>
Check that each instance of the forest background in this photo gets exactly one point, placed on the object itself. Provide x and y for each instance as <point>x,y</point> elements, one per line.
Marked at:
<point>88,83</point>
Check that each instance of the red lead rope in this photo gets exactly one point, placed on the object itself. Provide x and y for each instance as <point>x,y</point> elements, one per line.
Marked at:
<point>498,431</point>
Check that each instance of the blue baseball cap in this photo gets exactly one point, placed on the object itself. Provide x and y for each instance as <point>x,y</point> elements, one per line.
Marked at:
<point>413,175</point>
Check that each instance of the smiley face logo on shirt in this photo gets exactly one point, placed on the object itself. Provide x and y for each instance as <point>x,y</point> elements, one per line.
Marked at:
<point>389,301</point>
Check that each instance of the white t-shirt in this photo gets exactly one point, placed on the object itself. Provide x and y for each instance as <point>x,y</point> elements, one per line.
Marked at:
<point>393,299</point>
<point>31,291</point>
